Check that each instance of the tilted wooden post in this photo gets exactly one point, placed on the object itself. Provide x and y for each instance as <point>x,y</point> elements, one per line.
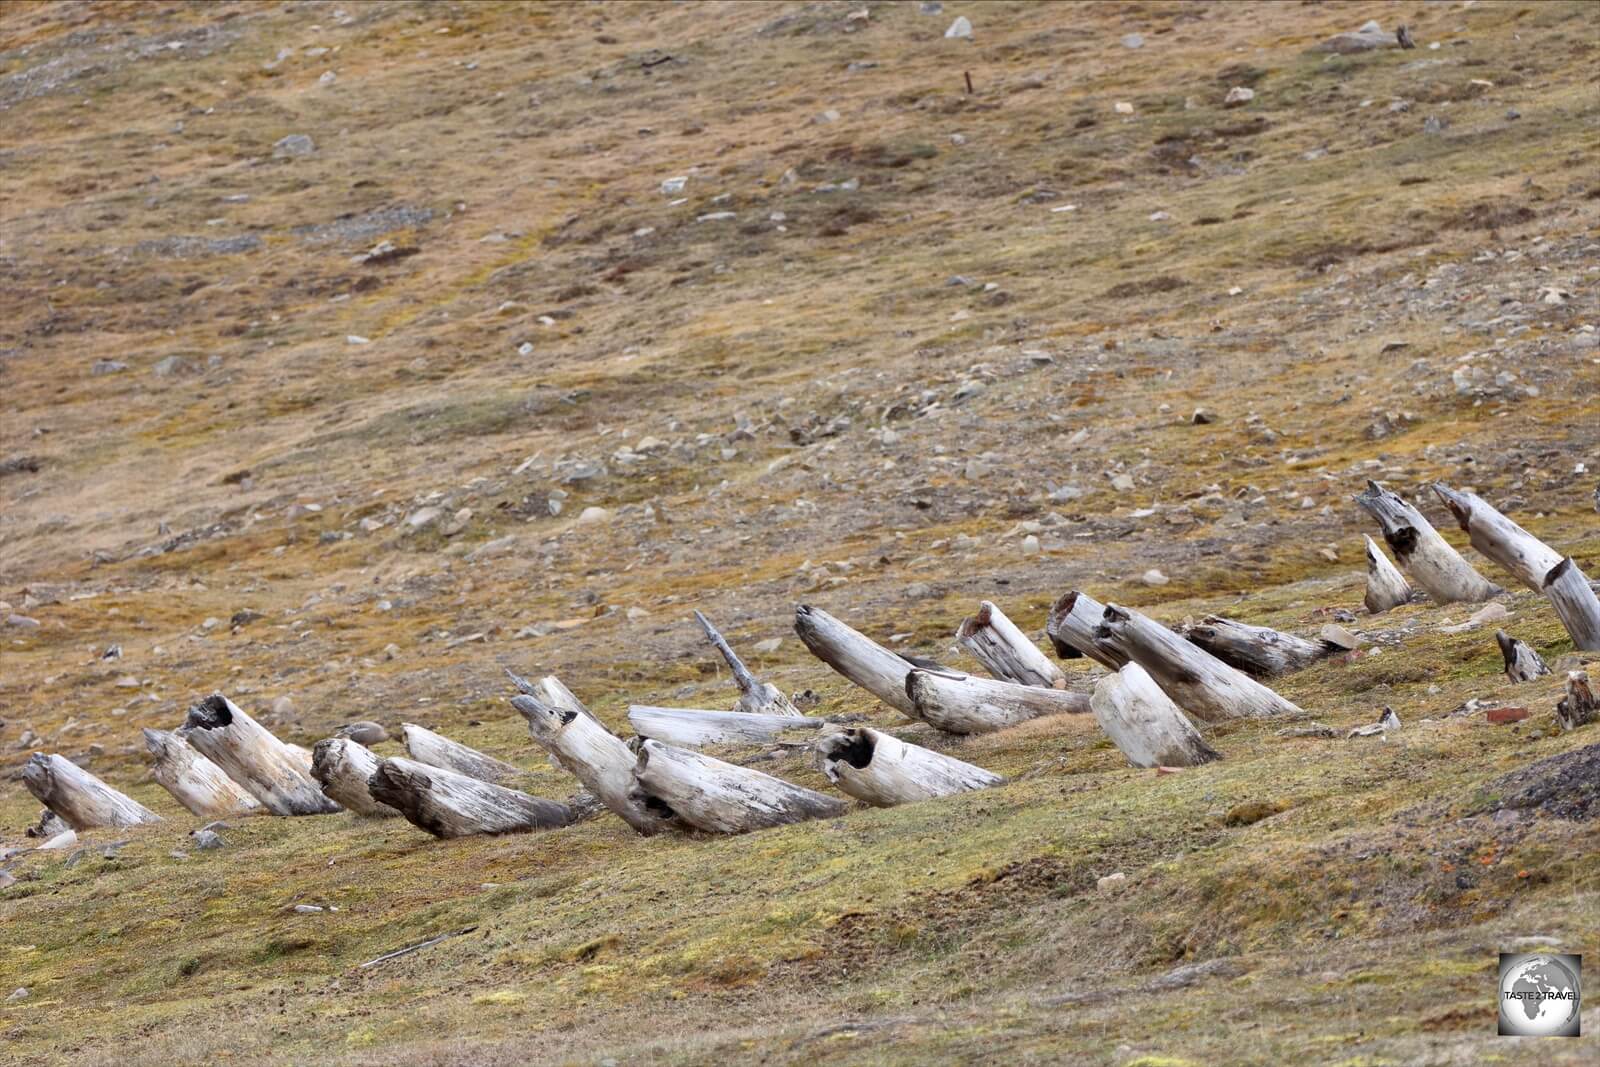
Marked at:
<point>268,769</point>
<point>1073,621</point>
<point>1534,563</point>
<point>343,768</point>
<point>1523,664</point>
<point>1005,651</point>
<point>437,750</point>
<point>582,747</point>
<point>696,728</point>
<point>755,696</point>
<point>81,800</point>
<point>1259,651</point>
<point>721,798</point>
<point>860,659</point>
<point>447,804</point>
<point>1386,586</point>
<point>1144,723</point>
<point>194,781</point>
<point>883,770</point>
<point>1426,556</point>
<point>963,704</point>
<point>1197,681</point>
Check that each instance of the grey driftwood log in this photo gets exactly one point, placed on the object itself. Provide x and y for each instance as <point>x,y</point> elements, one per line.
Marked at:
<point>856,656</point>
<point>1005,651</point>
<point>1523,664</point>
<point>1386,586</point>
<point>1259,651</point>
<point>203,788</point>
<point>81,800</point>
<point>721,798</point>
<point>962,704</point>
<point>343,768</point>
<point>585,749</point>
<point>1074,619</point>
<point>1579,707</point>
<point>447,804</point>
<point>1198,682</point>
<point>1534,563</point>
<point>755,696</point>
<point>274,773</point>
<point>882,770</point>
<point>697,728</point>
<point>1144,723</point>
<point>437,750</point>
<point>1425,555</point>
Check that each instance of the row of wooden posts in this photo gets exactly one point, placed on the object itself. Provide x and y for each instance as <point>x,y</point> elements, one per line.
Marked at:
<point>223,763</point>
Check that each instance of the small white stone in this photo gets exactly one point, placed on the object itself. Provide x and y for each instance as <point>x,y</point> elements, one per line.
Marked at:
<point>1030,545</point>
<point>1111,883</point>
<point>593,514</point>
<point>960,28</point>
<point>1122,107</point>
<point>1154,577</point>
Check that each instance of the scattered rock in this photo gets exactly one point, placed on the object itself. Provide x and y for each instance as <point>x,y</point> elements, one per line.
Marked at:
<point>1494,611</point>
<point>1201,417</point>
<point>107,366</point>
<point>593,515</point>
<point>1122,107</point>
<point>1132,40</point>
<point>422,518</point>
<point>207,840</point>
<point>1435,124</point>
<point>769,646</point>
<point>172,367</point>
<point>1154,577</point>
<point>1238,96</point>
<point>22,622</point>
<point>283,707</point>
<point>1122,483</point>
<point>296,144</point>
<point>1501,716</point>
<point>960,28</point>
<point>1369,36</point>
<point>1337,635</point>
<point>20,993</point>
<point>1031,546</point>
<point>308,909</point>
<point>1111,883</point>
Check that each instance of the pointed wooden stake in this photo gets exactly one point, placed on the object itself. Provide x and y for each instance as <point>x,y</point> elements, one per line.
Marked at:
<point>883,771</point>
<point>447,804</point>
<point>343,768</point>
<point>962,704</point>
<point>579,745</point>
<point>437,750</point>
<point>721,798</point>
<point>194,781</point>
<point>1005,651</point>
<point>755,696</point>
<point>81,800</point>
<point>1426,556</point>
<point>1386,586</point>
<point>271,771</point>
<point>1144,723</point>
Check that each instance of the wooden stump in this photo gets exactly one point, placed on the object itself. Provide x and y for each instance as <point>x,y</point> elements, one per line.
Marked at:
<point>203,788</point>
<point>447,804</point>
<point>81,800</point>
<point>437,750</point>
<point>1259,651</point>
<point>1523,664</point>
<point>1386,586</point>
<point>1426,556</point>
<point>883,771</point>
<point>1197,681</point>
<point>721,798</point>
<point>1005,651</point>
<point>1144,723</point>
<point>1074,619</point>
<point>582,747</point>
<point>343,768</point>
<point>962,704</point>
<point>1578,708</point>
<point>1534,563</point>
<point>695,728</point>
<point>269,770</point>
<point>861,660</point>
<point>755,696</point>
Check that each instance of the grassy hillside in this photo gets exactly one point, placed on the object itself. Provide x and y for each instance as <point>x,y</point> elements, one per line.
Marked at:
<point>887,331</point>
